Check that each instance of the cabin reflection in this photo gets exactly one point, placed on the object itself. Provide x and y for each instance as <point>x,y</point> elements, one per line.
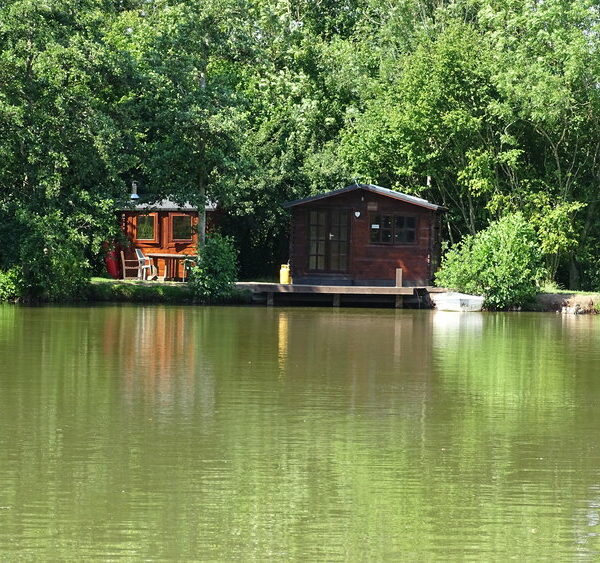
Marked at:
<point>158,356</point>
<point>356,358</point>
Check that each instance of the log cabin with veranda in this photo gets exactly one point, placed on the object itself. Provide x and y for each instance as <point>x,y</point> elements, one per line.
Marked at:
<point>161,230</point>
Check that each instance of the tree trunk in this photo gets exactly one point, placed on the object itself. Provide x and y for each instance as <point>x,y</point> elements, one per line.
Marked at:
<point>201,216</point>
<point>574,277</point>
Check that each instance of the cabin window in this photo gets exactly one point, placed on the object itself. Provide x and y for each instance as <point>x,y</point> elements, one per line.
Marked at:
<point>145,227</point>
<point>393,229</point>
<point>181,227</point>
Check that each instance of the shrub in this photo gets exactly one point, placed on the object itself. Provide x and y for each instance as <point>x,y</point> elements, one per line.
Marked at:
<point>45,256</point>
<point>10,284</point>
<point>213,277</point>
<point>504,263</point>
<point>52,260</point>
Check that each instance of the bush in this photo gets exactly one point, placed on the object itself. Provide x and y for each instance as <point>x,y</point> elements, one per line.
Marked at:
<point>504,263</point>
<point>10,285</point>
<point>45,257</point>
<point>214,275</point>
<point>52,260</point>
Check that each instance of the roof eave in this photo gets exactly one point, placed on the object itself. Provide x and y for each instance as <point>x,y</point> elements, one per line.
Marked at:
<point>317,197</point>
<point>161,205</point>
<point>412,200</point>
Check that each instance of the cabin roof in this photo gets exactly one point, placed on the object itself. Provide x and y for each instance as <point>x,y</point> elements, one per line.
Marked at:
<point>162,205</point>
<point>370,188</point>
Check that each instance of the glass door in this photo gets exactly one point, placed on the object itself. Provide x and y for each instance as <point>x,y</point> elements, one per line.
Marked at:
<point>317,240</point>
<point>338,240</point>
<point>328,238</point>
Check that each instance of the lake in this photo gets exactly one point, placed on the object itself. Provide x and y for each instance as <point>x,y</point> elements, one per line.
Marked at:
<point>132,432</point>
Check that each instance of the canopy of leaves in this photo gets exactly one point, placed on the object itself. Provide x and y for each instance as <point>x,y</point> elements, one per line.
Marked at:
<point>484,106</point>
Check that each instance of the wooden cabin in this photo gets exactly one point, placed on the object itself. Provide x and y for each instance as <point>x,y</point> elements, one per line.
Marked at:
<point>361,235</point>
<point>161,229</point>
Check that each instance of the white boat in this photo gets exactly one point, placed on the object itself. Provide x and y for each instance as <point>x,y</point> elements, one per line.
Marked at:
<point>453,301</point>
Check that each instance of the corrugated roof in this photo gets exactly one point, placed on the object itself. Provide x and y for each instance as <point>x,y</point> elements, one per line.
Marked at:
<point>162,205</point>
<point>370,188</point>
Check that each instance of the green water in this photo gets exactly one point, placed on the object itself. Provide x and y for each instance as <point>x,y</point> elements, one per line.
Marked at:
<point>307,434</point>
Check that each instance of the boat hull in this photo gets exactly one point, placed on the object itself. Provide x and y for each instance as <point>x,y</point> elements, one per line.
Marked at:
<point>459,302</point>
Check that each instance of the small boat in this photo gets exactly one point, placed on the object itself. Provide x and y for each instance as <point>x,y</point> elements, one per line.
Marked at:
<point>453,301</point>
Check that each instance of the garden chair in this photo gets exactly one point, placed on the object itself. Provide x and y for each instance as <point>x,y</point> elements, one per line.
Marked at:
<point>146,269</point>
<point>130,266</point>
<point>188,265</point>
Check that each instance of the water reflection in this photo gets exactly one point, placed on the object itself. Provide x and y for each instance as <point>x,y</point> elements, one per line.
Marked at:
<point>185,432</point>
<point>520,388</point>
<point>283,336</point>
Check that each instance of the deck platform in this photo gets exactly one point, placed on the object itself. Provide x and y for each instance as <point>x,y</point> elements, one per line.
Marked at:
<point>375,295</point>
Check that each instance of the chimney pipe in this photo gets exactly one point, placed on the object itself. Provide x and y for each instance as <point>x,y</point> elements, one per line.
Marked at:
<point>134,187</point>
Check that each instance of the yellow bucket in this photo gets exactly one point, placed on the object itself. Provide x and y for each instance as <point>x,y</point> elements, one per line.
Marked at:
<point>284,274</point>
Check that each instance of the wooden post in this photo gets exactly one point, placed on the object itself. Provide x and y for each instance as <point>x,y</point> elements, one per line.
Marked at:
<point>336,299</point>
<point>398,277</point>
<point>399,301</point>
<point>270,299</point>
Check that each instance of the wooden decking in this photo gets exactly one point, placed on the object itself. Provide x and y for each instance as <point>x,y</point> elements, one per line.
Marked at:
<point>354,293</point>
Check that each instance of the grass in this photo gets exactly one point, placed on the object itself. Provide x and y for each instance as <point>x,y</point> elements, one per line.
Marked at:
<point>569,292</point>
<point>133,291</point>
<point>584,301</point>
<point>553,287</point>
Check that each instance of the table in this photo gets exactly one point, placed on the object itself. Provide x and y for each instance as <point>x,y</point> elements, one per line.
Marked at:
<point>171,262</point>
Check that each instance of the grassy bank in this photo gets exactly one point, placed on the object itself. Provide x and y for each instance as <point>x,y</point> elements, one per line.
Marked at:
<point>132,291</point>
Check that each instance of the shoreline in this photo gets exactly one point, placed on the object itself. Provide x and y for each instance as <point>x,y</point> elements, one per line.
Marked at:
<point>104,290</point>
<point>568,303</point>
<point>133,291</point>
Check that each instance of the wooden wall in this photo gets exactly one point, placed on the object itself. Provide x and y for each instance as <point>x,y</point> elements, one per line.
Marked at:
<point>370,263</point>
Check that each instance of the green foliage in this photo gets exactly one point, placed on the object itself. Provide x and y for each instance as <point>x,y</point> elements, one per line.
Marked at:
<point>62,139</point>
<point>10,284</point>
<point>186,109</point>
<point>511,129</point>
<point>53,257</point>
<point>216,272</point>
<point>503,262</point>
<point>483,106</point>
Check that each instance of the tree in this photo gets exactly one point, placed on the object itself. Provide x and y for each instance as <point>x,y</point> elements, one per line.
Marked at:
<point>186,101</point>
<point>496,103</point>
<point>61,142</point>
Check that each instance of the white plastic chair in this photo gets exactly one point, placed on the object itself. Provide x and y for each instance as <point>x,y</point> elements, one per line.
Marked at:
<point>145,266</point>
<point>188,265</point>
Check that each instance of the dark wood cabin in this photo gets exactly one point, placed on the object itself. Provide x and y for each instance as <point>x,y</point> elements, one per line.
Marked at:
<point>163,228</point>
<point>361,234</point>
